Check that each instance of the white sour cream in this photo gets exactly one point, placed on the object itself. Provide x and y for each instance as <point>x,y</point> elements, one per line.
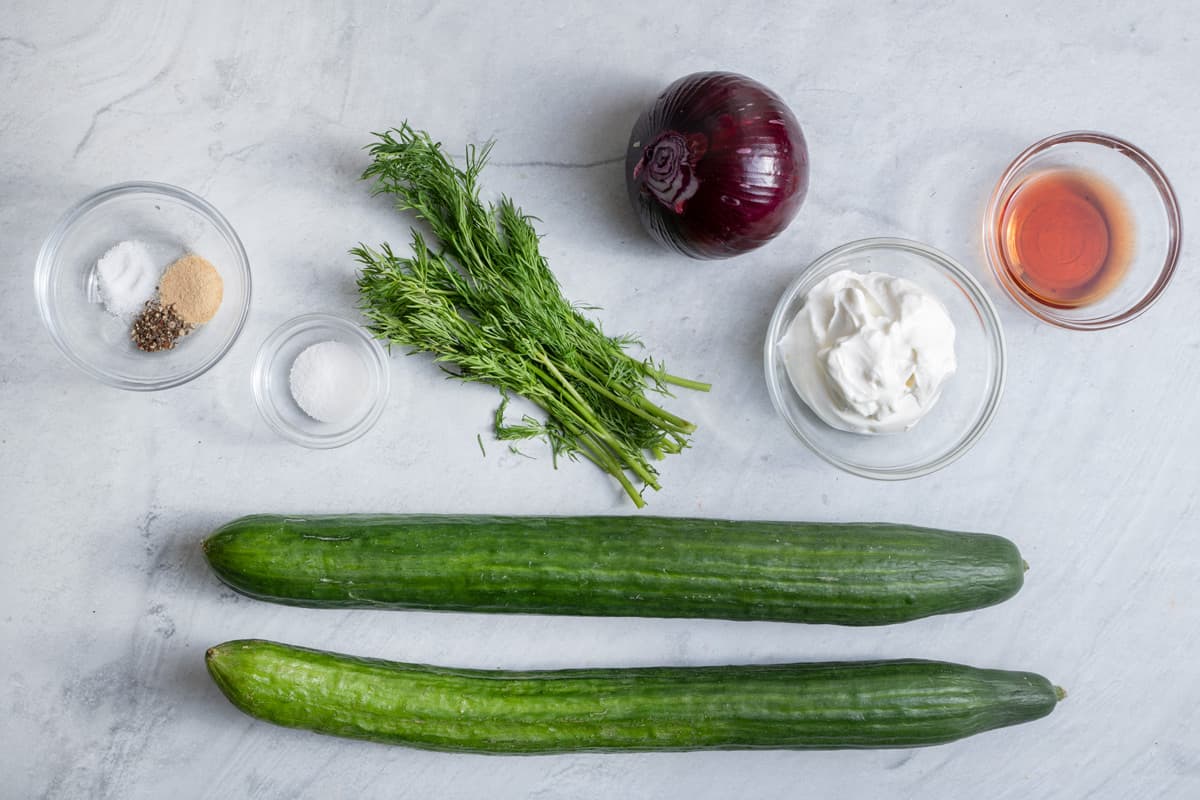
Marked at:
<point>869,352</point>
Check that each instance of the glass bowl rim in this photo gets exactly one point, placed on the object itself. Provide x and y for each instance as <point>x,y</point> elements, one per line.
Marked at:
<point>1164,190</point>
<point>988,317</point>
<point>270,348</point>
<point>45,269</point>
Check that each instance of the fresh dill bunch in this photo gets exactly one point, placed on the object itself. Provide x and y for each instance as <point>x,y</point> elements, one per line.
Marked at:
<point>483,301</point>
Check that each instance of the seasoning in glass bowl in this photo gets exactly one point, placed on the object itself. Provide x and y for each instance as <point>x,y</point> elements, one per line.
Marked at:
<point>189,294</point>
<point>126,276</point>
<point>193,286</point>
<point>158,327</point>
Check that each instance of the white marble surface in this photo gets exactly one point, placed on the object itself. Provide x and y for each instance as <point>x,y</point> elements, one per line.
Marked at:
<point>911,110</point>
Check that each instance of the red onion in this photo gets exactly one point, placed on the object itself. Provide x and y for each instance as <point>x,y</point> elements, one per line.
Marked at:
<point>717,166</point>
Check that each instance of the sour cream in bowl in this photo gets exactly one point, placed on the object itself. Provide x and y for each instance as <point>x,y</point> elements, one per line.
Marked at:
<point>869,352</point>
<point>886,336</point>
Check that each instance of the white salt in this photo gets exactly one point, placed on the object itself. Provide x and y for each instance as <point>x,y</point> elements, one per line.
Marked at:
<point>329,382</point>
<point>127,276</point>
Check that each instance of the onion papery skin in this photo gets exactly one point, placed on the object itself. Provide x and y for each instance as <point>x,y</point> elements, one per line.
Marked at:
<point>717,166</point>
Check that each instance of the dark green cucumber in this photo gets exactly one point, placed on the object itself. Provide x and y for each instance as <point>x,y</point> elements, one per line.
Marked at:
<point>794,706</point>
<point>856,574</point>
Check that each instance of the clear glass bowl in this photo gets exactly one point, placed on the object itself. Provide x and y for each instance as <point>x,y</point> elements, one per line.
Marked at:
<point>170,221</point>
<point>1149,199</point>
<point>970,397</point>
<point>273,392</point>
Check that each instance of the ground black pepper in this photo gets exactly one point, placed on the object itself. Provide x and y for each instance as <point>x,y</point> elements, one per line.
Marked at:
<point>158,327</point>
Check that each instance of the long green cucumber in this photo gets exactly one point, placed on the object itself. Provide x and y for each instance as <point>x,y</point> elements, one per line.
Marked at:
<point>794,706</point>
<point>848,574</point>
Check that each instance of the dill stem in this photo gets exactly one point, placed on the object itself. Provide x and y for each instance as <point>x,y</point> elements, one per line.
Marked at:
<point>607,463</point>
<point>679,424</point>
<point>596,451</point>
<point>675,445</point>
<point>683,383</point>
<point>652,414</point>
<point>666,377</point>
<point>683,425</point>
<point>576,401</point>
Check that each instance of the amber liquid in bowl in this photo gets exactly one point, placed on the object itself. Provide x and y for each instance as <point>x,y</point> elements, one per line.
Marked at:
<point>1066,237</point>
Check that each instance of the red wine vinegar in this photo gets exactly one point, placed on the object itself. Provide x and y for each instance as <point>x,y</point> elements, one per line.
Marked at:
<point>1066,237</point>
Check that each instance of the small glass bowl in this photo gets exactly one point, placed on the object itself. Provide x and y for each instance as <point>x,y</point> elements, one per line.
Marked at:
<point>968,401</point>
<point>1152,207</point>
<point>272,387</point>
<point>170,221</point>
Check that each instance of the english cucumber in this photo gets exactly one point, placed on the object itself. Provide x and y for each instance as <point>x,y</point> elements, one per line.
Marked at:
<point>848,574</point>
<point>868,704</point>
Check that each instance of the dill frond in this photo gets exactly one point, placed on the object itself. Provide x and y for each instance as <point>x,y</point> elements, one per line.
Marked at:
<point>483,301</point>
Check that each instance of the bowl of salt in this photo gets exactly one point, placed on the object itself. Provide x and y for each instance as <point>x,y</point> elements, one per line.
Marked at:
<point>320,381</point>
